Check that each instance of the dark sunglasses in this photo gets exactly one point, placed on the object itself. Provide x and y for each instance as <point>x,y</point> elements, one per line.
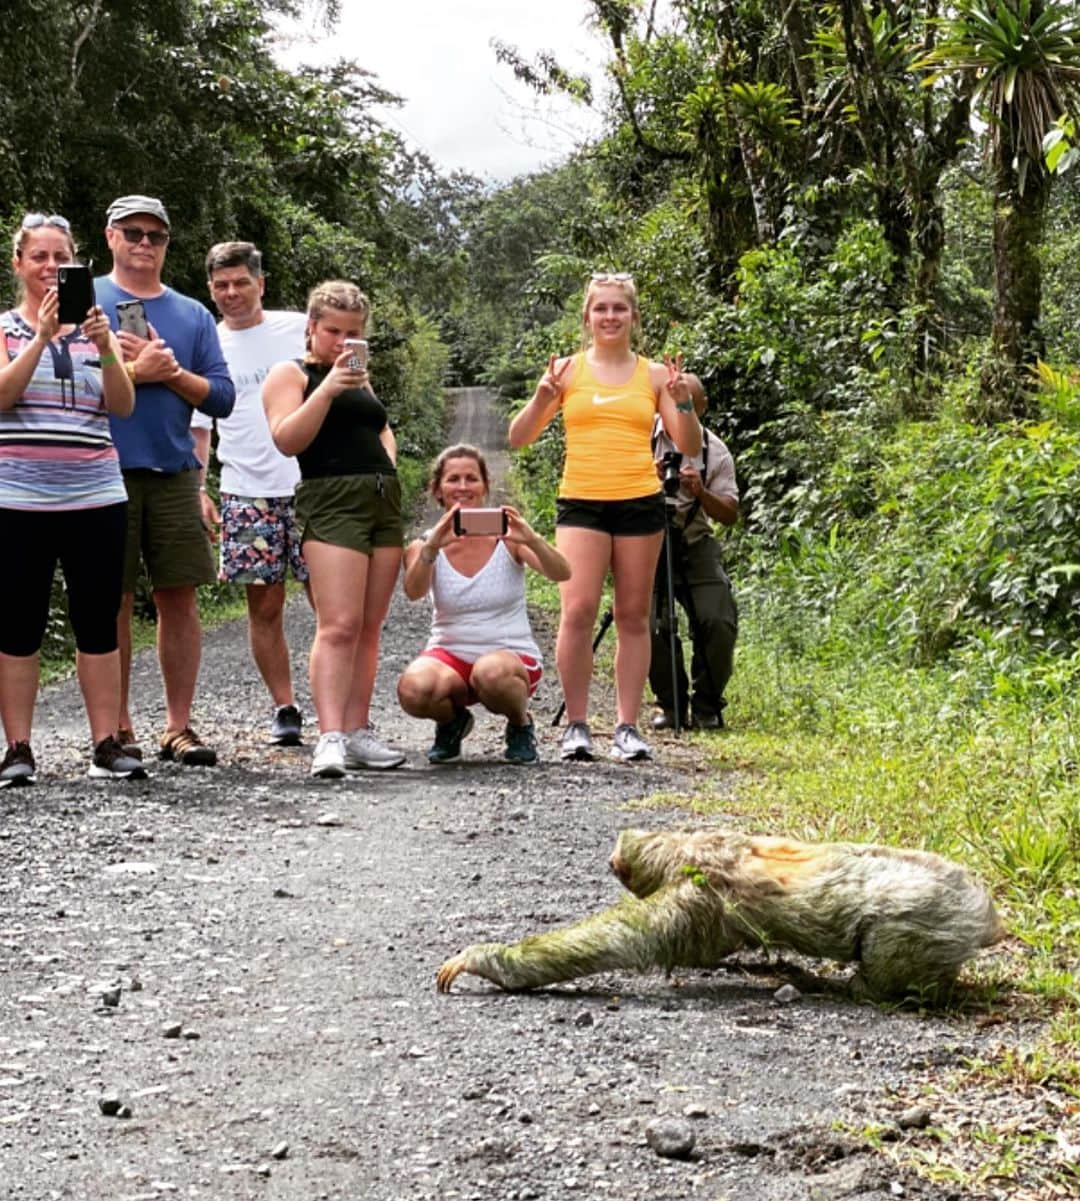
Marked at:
<point>37,220</point>
<point>135,234</point>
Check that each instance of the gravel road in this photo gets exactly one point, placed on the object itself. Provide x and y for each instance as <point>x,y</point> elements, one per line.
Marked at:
<point>244,958</point>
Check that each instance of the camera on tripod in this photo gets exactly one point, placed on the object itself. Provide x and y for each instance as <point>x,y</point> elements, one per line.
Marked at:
<point>670,463</point>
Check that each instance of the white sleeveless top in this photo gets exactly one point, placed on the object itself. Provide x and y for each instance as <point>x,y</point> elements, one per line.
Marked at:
<point>485,612</point>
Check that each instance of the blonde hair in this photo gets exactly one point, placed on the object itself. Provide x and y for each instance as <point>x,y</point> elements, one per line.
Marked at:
<point>334,294</point>
<point>463,450</point>
<point>628,289</point>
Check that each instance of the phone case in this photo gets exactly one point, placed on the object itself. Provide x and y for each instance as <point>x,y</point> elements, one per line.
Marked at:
<point>75,292</point>
<point>131,316</point>
<point>491,522</point>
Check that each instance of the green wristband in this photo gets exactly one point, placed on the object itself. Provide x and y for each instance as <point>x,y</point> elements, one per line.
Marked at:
<point>107,359</point>
<point>684,406</point>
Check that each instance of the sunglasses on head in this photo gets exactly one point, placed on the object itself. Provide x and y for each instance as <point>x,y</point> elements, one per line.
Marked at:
<point>135,234</point>
<point>37,220</point>
<point>611,277</point>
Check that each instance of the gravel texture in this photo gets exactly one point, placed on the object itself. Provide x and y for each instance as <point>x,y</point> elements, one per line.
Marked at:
<point>219,983</point>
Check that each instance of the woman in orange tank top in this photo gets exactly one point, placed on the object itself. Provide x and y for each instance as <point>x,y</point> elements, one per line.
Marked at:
<point>610,506</point>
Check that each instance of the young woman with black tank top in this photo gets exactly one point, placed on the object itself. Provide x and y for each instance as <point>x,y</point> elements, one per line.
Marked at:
<point>348,509</point>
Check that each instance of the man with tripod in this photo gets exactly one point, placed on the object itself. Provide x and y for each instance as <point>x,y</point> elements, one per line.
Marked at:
<point>698,491</point>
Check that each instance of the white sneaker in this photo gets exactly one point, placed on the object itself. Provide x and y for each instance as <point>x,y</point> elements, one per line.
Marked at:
<point>628,745</point>
<point>363,749</point>
<point>576,742</point>
<point>328,762</point>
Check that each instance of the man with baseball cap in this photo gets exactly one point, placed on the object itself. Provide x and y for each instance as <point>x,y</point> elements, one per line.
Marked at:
<point>173,356</point>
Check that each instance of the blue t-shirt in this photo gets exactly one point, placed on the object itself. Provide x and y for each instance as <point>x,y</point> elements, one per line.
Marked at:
<point>158,434</point>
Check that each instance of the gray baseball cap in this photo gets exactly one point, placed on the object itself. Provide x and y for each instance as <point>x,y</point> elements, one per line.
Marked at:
<point>131,206</point>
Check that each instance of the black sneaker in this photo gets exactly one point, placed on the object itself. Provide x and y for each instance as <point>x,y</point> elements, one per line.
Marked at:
<point>521,743</point>
<point>112,762</point>
<point>285,726</point>
<point>447,745</point>
<point>18,767</point>
<point>665,720</point>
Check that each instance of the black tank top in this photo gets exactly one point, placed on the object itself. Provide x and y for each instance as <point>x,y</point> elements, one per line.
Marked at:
<point>348,441</point>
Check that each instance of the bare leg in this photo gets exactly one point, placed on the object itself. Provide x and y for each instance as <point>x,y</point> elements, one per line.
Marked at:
<point>502,684</point>
<point>266,633</point>
<point>19,675</point>
<point>338,585</point>
<point>634,568</point>
<point>589,553</point>
<point>99,681</point>
<point>123,639</point>
<point>382,575</point>
<point>179,644</point>
<point>428,688</point>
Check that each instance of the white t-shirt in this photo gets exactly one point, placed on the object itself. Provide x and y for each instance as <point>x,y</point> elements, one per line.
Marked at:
<point>251,465</point>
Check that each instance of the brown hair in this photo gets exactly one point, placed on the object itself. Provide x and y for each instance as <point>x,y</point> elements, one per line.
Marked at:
<point>461,451</point>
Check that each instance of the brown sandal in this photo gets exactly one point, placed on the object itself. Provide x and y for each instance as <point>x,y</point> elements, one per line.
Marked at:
<point>185,746</point>
<point>130,743</point>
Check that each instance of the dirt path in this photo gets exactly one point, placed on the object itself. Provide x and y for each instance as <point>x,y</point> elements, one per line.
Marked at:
<point>289,931</point>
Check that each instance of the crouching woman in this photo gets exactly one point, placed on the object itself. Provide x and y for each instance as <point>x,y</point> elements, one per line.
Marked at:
<point>481,649</point>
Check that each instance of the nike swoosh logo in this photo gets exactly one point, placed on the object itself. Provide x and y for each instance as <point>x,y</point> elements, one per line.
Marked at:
<point>605,400</point>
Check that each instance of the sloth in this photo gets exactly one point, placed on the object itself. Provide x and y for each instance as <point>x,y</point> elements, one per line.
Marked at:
<point>909,919</point>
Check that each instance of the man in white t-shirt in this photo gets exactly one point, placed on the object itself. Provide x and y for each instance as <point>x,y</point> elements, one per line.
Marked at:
<point>259,538</point>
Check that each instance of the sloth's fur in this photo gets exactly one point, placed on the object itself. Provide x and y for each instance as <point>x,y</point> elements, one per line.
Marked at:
<point>908,918</point>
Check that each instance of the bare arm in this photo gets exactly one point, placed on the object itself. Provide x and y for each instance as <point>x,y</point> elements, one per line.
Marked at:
<point>529,548</point>
<point>675,405</point>
<point>16,373</point>
<point>386,437</point>
<point>420,556</point>
<point>527,425</point>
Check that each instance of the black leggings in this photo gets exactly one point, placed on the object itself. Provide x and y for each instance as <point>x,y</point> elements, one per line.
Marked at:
<point>89,544</point>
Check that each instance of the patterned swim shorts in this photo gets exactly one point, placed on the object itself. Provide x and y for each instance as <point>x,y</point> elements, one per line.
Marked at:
<point>259,540</point>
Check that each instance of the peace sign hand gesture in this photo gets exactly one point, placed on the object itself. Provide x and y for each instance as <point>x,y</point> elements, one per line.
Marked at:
<point>677,383</point>
<point>550,386</point>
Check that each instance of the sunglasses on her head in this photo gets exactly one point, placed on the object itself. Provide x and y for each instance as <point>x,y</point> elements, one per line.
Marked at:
<point>135,234</point>
<point>611,277</point>
<point>37,220</point>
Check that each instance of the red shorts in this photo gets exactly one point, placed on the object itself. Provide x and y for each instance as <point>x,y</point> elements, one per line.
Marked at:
<point>532,669</point>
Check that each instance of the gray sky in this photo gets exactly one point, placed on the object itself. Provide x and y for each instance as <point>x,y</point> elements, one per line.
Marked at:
<point>462,107</point>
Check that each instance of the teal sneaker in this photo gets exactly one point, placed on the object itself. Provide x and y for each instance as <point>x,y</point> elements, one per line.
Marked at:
<point>448,736</point>
<point>521,743</point>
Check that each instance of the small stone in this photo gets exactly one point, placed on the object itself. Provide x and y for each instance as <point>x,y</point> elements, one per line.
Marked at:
<point>786,993</point>
<point>191,1034</point>
<point>136,984</point>
<point>124,1111</point>
<point>915,1118</point>
<point>109,1104</point>
<point>670,1138</point>
<point>585,1018</point>
<point>695,1110</point>
<point>111,997</point>
<point>328,819</point>
<point>281,1151</point>
<point>173,1030</point>
<point>263,1170</point>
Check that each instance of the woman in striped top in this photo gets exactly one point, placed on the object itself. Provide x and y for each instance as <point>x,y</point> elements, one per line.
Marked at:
<point>61,497</point>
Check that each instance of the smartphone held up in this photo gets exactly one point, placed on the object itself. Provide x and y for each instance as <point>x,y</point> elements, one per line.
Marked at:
<point>74,292</point>
<point>487,522</point>
<point>358,360</point>
<point>131,316</point>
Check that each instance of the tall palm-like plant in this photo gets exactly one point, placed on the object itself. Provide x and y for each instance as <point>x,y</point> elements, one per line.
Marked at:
<point>1024,56</point>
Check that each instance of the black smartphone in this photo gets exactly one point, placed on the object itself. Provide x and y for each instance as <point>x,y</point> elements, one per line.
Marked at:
<point>75,290</point>
<point>131,316</point>
<point>492,522</point>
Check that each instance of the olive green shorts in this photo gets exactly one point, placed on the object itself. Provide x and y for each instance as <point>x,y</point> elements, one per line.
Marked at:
<point>165,528</point>
<point>359,512</point>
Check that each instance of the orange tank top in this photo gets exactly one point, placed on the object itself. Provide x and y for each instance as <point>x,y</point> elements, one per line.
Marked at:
<point>608,431</point>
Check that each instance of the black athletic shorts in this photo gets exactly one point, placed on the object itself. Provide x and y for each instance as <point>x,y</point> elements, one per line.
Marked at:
<point>619,518</point>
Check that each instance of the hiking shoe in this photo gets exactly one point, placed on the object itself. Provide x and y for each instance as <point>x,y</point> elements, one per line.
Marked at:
<point>285,726</point>
<point>18,767</point>
<point>448,736</point>
<point>111,763</point>
<point>708,721</point>
<point>185,746</point>
<point>666,721</point>
<point>521,743</point>
<point>363,749</point>
<point>328,762</point>
<point>628,745</point>
<point>576,742</point>
<point>130,743</point>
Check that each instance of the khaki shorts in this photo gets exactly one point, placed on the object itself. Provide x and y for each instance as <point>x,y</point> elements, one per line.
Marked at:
<point>359,512</point>
<point>165,528</point>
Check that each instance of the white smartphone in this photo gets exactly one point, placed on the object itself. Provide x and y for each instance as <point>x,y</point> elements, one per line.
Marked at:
<point>359,359</point>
